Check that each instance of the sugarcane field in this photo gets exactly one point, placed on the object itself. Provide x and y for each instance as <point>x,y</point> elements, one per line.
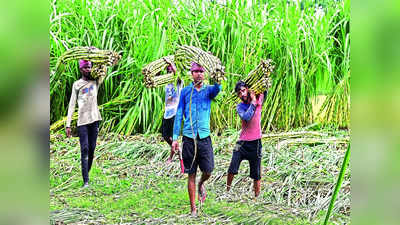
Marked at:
<point>200,112</point>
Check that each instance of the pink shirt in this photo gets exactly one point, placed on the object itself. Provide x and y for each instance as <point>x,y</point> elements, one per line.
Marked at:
<point>251,130</point>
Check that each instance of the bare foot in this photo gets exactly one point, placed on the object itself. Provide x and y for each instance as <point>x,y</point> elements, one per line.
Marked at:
<point>202,193</point>
<point>193,213</point>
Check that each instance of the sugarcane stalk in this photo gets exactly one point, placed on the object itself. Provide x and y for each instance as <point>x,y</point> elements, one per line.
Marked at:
<point>100,58</point>
<point>159,80</point>
<point>257,80</point>
<point>212,65</point>
<point>338,184</point>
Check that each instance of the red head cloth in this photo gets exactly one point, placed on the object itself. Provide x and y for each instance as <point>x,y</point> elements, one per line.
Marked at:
<point>83,63</point>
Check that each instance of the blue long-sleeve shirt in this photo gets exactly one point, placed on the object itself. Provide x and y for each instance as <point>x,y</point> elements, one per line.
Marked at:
<point>245,111</point>
<point>200,111</point>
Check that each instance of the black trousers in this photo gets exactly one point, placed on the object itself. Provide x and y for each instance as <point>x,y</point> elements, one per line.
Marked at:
<point>87,138</point>
<point>167,129</point>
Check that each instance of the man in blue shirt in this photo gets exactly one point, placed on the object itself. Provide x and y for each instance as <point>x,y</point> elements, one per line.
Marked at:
<point>195,108</point>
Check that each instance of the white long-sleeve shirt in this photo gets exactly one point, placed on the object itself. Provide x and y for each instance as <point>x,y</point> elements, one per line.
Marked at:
<point>85,92</point>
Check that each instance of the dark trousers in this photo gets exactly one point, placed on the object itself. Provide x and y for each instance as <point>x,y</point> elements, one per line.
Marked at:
<point>248,150</point>
<point>204,156</point>
<point>87,138</point>
<point>167,129</point>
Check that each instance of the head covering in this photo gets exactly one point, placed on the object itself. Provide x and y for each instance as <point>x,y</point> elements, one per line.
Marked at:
<point>171,68</point>
<point>195,67</point>
<point>83,63</point>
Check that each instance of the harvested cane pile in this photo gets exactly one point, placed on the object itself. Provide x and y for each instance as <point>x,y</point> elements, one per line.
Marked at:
<point>258,79</point>
<point>100,59</point>
<point>297,181</point>
<point>185,54</point>
<point>152,70</point>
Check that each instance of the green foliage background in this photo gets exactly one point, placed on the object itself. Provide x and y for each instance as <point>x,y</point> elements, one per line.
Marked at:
<point>309,42</point>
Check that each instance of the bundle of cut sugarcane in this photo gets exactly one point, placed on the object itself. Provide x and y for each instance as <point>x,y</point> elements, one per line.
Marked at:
<point>257,80</point>
<point>151,72</point>
<point>99,58</point>
<point>262,85</point>
<point>262,70</point>
<point>160,80</point>
<point>98,70</point>
<point>185,54</point>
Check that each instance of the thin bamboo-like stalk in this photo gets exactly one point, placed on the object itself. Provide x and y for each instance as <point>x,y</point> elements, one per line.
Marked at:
<point>338,184</point>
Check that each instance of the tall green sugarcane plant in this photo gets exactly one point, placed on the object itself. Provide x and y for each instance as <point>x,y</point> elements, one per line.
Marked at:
<point>311,54</point>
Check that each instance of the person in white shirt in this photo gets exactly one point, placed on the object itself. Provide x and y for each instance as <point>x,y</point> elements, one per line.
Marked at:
<point>171,104</point>
<point>84,91</point>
